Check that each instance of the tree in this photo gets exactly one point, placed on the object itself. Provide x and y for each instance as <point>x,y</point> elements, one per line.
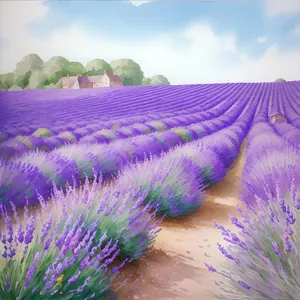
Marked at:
<point>6,81</point>
<point>76,68</point>
<point>146,81</point>
<point>50,86</point>
<point>129,71</point>
<point>22,80</point>
<point>37,80</point>
<point>159,80</point>
<point>29,63</point>
<point>15,88</point>
<point>280,80</point>
<point>156,80</point>
<point>25,67</point>
<point>97,67</point>
<point>55,68</point>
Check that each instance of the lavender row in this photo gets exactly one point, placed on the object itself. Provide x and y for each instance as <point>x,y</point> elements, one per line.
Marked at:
<point>168,123</point>
<point>19,113</point>
<point>133,229</point>
<point>38,170</point>
<point>69,248</point>
<point>90,214</point>
<point>175,181</point>
<point>264,143</point>
<point>265,249</point>
<point>23,144</point>
<point>61,124</point>
<point>288,132</point>
<point>291,107</point>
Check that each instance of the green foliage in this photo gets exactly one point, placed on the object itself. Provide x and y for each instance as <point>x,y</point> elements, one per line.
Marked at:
<point>2,137</point>
<point>25,140</point>
<point>146,81</point>
<point>37,80</point>
<point>97,67</point>
<point>129,71</point>
<point>158,125</point>
<point>29,63</point>
<point>159,80</point>
<point>22,80</point>
<point>58,85</point>
<point>76,68</point>
<point>57,67</point>
<point>33,73</point>
<point>50,86</point>
<point>24,68</point>
<point>6,81</point>
<point>15,88</point>
<point>42,132</point>
<point>68,135</point>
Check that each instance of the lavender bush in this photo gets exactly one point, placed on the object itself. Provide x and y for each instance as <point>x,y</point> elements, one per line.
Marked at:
<point>172,183</point>
<point>19,181</point>
<point>69,136</point>
<point>55,168</point>
<point>118,213</point>
<point>42,132</point>
<point>263,257</point>
<point>212,168</point>
<point>3,137</point>
<point>280,163</point>
<point>185,134</point>
<point>12,148</point>
<point>31,141</point>
<point>84,160</point>
<point>43,263</point>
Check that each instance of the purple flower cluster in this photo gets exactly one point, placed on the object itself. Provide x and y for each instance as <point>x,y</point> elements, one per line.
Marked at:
<point>43,268</point>
<point>101,132</point>
<point>119,212</point>
<point>263,256</point>
<point>270,162</point>
<point>80,160</point>
<point>175,180</point>
<point>172,183</point>
<point>127,106</point>
<point>70,251</point>
<point>19,182</point>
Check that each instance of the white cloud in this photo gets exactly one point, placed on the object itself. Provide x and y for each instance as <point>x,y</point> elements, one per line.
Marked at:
<point>261,39</point>
<point>275,8</point>
<point>296,30</point>
<point>194,55</point>
<point>15,16</point>
<point>140,2</point>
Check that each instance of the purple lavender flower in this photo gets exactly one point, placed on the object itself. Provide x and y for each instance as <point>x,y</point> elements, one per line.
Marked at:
<point>268,238</point>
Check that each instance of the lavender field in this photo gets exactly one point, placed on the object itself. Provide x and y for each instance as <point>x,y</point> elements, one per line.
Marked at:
<point>95,184</point>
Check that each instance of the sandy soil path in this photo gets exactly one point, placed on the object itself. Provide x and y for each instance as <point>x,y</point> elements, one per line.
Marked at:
<point>174,268</point>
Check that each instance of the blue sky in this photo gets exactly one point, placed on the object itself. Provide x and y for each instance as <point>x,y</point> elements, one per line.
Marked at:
<point>189,42</point>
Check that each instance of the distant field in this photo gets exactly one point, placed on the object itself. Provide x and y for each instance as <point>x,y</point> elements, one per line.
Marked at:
<point>59,109</point>
<point>161,152</point>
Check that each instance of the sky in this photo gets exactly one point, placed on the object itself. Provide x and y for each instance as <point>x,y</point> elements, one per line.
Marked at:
<point>189,42</point>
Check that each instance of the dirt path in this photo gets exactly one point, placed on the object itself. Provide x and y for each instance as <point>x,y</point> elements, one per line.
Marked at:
<point>175,269</point>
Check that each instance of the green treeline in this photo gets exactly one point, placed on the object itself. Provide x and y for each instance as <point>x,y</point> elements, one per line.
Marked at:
<point>33,73</point>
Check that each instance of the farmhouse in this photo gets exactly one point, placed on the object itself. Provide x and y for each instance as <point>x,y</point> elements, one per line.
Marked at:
<point>98,81</point>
